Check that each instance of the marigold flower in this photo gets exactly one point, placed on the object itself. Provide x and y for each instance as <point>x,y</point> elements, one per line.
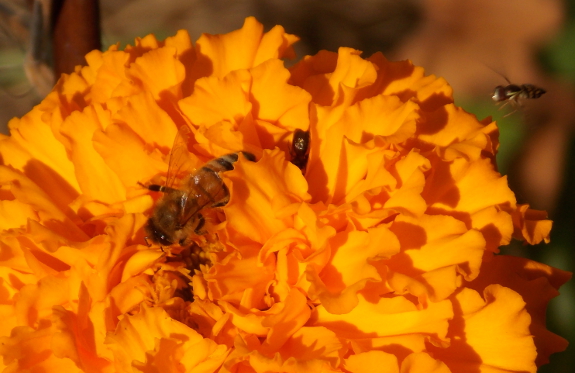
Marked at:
<point>381,256</point>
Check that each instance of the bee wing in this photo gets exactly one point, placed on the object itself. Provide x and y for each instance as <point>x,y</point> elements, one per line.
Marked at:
<point>180,164</point>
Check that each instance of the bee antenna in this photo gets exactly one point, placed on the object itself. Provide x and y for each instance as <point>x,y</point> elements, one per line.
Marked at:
<point>496,72</point>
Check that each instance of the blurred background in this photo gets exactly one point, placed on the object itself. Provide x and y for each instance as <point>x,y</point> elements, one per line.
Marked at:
<point>474,44</point>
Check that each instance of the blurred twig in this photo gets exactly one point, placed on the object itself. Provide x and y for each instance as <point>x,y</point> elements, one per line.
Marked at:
<point>76,31</point>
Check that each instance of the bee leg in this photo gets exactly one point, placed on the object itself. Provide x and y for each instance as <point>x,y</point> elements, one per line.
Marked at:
<point>199,228</point>
<point>508,114</point>
<point>516,106</point>
<point>157,188</point>
<point>504,104</point>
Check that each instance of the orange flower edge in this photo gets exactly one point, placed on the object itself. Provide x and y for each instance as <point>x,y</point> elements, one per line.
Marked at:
<point>380,254</point>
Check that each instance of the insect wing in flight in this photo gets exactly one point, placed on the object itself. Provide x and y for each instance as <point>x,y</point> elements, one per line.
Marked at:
<point>180,164</point>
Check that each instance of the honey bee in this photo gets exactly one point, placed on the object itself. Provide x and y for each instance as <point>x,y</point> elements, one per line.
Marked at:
<point>513,93</point>
<point>300,148</point>
<point>177,214</point>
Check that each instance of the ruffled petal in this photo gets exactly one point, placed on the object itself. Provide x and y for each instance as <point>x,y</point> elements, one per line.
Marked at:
<point>241,49</point>
<point>537,283</point>
<point>152,339</point>
<point>476,347</point>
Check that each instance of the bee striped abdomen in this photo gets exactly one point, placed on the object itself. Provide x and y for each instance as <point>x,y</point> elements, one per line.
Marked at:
<point>226,162</point>
<point>531,91</point>
<point>207,181</point>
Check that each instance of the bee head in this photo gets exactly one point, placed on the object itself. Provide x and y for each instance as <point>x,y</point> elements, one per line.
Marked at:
<point>157,235</point>
<point>499,94</point>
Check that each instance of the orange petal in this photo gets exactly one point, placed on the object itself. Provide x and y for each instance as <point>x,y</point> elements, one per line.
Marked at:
<point>95,177</point>
<point>423,363</point>
<point>31,350</point>
<point>307,244</point>
<point>349,269</point>
<point>218,99</point>
<point>385,116</point>
<point>389,189</point>
<point>36,151</point>
<point>293,315</point>
<point>407,81</point>
<point>431,245</point>
<point>158,72</point>
<point>73,339</point>
<point>278,102</point>
<point>472,192</point>
<point>139,262</point>
<point>246,97</point>
<point>531,225</point>
<point>108,72</point>
<point>13,282</point>
<point>372,362</point>
<point>241,279</point>
<point>537,283</point>
<point>263,189</point>
<point>466,187</point>
<point>15,214</point>
<point>451,125</point>
<point>504,346</point>
<point>35,301</point>
<point>334,79</point>
<point>311,349</point>
<point>48,212</point>
<point>155,339</point>
<point>186,54</point>
<point>309,343</point>
<point>119,147</point>
<point>241,49</point>
<point>145,117</point>
<point>388,317</point>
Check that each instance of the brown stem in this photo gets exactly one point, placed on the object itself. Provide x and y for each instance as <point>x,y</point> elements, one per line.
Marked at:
<point>75,32</point>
